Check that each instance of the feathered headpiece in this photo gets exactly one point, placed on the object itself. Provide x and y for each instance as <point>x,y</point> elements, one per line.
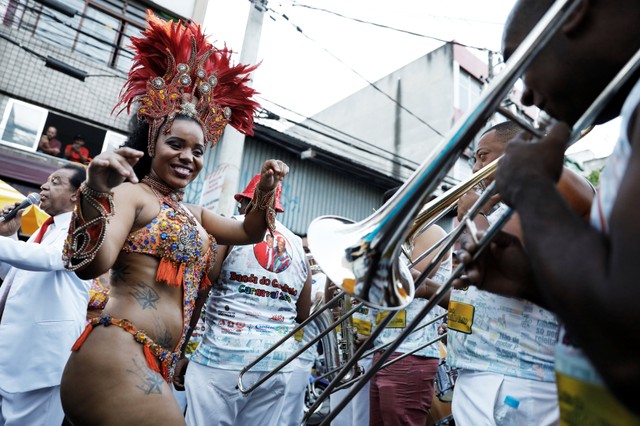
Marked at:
<point>176,71</point>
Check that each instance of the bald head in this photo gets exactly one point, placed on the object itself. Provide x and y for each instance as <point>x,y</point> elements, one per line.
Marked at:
<point>526,13</point>
<point>504,131</point>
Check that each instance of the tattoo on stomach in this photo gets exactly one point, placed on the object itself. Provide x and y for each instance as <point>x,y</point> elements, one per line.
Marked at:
<point>145,295</point>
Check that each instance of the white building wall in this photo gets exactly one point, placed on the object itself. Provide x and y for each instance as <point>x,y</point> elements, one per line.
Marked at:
<point>425,92</point>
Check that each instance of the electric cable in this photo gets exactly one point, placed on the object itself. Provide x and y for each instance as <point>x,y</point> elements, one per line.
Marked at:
<point>285,17</point>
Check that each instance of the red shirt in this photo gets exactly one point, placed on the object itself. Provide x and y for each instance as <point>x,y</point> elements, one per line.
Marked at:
<point>74,156</point>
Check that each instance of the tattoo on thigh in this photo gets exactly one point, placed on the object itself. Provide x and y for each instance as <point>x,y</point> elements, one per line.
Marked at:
<point>150,381</point>
<point>145,295</point>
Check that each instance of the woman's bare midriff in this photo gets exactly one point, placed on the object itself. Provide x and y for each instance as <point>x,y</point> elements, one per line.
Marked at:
<point>109,370</point>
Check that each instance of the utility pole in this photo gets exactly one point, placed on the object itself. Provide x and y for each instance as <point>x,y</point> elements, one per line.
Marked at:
<point>231,146</point>
<point>490,66</point>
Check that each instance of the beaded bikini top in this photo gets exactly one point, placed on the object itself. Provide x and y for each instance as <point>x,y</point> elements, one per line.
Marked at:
<point>173,237</point>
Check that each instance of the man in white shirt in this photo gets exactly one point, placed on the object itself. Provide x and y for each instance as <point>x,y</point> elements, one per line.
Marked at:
<point>43,308</point>
<point>250,308</point>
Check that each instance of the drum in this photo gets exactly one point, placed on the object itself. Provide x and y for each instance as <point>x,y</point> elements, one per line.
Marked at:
<point>445,381</point>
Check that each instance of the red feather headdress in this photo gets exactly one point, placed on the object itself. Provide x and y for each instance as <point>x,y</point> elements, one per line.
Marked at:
<point>176,71</point>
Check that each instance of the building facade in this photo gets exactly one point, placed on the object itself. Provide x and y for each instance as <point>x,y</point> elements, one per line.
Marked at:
<point>65,67</point>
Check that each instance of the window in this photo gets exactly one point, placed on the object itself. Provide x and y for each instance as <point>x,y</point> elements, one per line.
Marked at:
<point>470,90</point>
<point>22,125</point>
<point>113,140</point>
<point>100,30</point>
<point>99,36</point>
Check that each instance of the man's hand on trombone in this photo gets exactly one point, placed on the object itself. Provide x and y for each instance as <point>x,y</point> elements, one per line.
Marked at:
<point>526,164</point>
<point>503,268</point>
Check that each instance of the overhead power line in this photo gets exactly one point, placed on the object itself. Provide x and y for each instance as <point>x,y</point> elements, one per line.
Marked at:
<point>375,149</point>
<point>362,21</point>
<point>370,83</point>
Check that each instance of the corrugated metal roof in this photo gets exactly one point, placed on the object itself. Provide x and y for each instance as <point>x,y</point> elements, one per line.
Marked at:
<point>311,190</point>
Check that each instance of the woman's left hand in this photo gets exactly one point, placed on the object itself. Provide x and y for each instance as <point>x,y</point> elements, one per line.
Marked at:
<point>271,174</point>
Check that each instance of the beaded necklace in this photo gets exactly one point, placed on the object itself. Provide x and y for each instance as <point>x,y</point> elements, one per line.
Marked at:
<point>159,187</point>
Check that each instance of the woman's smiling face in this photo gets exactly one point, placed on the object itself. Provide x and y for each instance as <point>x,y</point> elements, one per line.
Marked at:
<point>179,154</point>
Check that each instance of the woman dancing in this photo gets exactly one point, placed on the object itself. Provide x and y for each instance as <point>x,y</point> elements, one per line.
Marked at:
<point>130,219</point>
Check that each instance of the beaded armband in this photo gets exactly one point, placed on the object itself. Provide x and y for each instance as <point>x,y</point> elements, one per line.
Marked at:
<point>86,237</point>
<point>265,201</point>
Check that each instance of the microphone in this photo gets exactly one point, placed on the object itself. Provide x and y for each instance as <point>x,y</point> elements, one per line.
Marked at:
<point>32,198</point>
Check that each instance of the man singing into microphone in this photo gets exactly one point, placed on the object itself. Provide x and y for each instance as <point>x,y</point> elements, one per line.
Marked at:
<point>42,307</point>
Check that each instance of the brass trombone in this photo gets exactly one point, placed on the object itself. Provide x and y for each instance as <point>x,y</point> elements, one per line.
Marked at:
<point>383,232</point>
<point>368,267</point>
<point>372,247</point>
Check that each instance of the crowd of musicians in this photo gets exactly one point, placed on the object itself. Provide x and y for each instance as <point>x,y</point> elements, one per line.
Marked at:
<point>128,306</point>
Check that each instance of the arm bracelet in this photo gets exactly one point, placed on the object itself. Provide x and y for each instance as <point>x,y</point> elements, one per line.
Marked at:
<point>265,201</point>
<point>86,237</point>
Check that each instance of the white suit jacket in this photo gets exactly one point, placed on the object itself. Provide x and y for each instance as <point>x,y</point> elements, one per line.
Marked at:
<point>45,311</point>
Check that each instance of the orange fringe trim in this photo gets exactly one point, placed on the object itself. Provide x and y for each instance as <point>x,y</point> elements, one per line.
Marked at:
<point>82,338</point>
<point>206,282</point>
<point>152,360</point>
<point>180,275</point>
<point>169,274</point>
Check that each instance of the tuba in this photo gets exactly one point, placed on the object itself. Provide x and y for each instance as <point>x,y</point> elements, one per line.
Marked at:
<point>339,344</point>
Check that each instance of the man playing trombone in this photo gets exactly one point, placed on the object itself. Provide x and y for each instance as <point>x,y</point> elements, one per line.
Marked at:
<point>249,309</point>
<point>586,274</point>
<point>402,393</point>
<point>504,345</point>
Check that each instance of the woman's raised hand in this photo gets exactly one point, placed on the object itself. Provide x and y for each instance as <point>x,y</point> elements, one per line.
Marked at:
<point>271,174</point>
<point>111,168</point>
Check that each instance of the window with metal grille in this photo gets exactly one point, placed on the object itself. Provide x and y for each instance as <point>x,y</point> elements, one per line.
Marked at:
<point>98,29</point>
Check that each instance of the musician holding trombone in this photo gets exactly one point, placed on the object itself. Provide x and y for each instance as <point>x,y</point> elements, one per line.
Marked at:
<point>251,306</point>
<point>504,345</point>
<point>586,274</point>
<point>402,392</point>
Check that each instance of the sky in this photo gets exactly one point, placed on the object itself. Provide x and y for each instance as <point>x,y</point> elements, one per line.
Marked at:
<point>314,53</point>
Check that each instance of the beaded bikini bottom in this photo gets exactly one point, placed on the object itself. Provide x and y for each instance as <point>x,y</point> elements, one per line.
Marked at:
<point>158,358</point>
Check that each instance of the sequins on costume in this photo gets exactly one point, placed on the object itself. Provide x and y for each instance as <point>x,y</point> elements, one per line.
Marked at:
<point>153,353</point>
<point>174,237</point>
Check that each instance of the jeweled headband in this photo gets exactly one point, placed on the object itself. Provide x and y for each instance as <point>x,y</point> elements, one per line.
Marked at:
<point>176,71</point>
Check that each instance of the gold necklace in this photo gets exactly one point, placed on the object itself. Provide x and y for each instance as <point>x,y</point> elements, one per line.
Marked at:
<point>163,189</point>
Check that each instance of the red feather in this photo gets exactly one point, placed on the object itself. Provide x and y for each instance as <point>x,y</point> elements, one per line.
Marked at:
<point>165,44</point>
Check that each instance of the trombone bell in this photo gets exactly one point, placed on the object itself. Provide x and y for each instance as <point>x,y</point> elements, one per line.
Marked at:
<point>374,277</point>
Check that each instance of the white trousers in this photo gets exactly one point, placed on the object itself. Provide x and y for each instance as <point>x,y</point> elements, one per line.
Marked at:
<point>40,407</point>
<point>181,398</point>
<point>293,410</point>
<point>477,395</point>
<point>356,413</point>
<point>213,398</point>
